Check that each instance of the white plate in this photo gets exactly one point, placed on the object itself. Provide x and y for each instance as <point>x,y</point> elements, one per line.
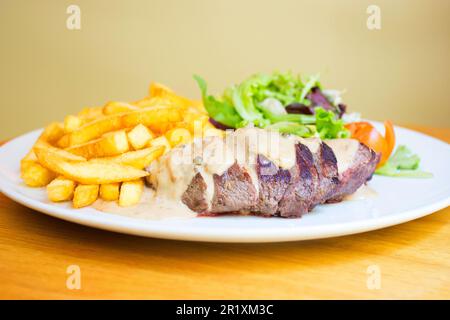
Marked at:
<point>398,200</point>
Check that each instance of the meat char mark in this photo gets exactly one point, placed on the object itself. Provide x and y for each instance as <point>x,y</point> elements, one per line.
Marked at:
<point>233,191</point>
<point>313,180</point>
<point>360,171</point>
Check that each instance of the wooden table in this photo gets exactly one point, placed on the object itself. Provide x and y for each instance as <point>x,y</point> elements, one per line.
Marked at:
<point>36,250</point>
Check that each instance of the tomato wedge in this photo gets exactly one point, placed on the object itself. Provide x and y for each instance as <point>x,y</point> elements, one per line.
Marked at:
<point>367,134</point>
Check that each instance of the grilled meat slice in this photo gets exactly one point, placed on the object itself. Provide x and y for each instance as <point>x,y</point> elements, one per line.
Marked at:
<point>309,172</point>
<point>287,193</point>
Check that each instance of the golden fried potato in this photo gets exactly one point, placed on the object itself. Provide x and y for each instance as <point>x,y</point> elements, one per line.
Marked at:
<point>178,136</point>
<point>161,141</point>
<point>72,123</point>
<point>153,117</point>
<point>52,133</point>
<point>35,175</point>
<point>60,189</point>
<point>63,142</point>
<point>62,154</point>
<point>95,129</point>
<point>138,159</point>
<point>157,89</point>
<point>85,195</point>
<point>114,107</point>
<point>111,144</point>
<point>110,191</point>
<point>131,192</point>
<point>139,136</point>
<point>213,132</point>
<point>89,114</point>
<point>87,172</point>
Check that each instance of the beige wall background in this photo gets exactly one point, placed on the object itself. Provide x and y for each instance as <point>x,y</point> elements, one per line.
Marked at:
<point>401,72</point>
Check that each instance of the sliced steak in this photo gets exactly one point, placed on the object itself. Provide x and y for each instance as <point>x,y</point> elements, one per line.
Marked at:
<point>273,182</point>
<point>358,173</point>
<point>312,179</point>
<point>301,192</point>
<point>233,191</point>
<point>195,195</point>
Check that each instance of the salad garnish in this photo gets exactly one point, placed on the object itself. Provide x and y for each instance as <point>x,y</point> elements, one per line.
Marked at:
<point>283,101</point>
<point>298,105</point>
<point>403,163</point>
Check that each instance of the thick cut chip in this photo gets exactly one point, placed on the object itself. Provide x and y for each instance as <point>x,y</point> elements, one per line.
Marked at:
<point>85,195</point>
<point>111,144</point>
<point>52,133</point>
<point>139,136</point>
<point>60,189</point>
<point>110,191</point>
<point>95,129</point>
<point>161,141</point>
<point>88,172</point>
<point>178,136</point>
<point>72,123</point>
<point>131,192</point>
<point>114,107</point>
<point>62,154</point>
<point>154,117</point>
<point>138,159</point>
<point>35,175</point>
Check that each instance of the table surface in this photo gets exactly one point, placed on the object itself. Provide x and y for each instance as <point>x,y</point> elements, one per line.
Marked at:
<point>411,260</point>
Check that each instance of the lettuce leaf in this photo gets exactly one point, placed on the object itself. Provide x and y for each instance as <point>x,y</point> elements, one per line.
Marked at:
<point>403,163</point>
<point>293,128</point>
<point>221,112</point>
<point>329,126</point>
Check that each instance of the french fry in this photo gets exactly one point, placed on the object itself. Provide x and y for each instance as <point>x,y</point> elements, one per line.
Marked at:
<point>138,159</point>
<point>157,89</point>
<point>64,141</point>
<point>178,136</point>
<point>62,154</point>
<point>161,91</point>
<point>35,175</point>
<point>111,144</point>
<point>152,117</point>
<point>154,102</point>
<point>131,192</point>
<point>89,114</point>
<point>139,136</point>
<point>72,123</point>
<point>110,191</point>
<point>85,195</point>
<point>87,172</point>
<point>161,141</point>
<point>60,189</point>
<point>53,132</point>
<point>95,129</point>
<point>114,107</point>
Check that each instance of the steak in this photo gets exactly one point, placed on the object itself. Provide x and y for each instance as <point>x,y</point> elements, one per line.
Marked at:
<point>313,180</point>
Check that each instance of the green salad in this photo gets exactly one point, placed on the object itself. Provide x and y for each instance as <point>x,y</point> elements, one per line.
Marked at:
<point>282,101</point>
<point>298,105</point>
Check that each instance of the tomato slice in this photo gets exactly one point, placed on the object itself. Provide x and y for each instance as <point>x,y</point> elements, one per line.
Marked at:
<point>367,134</point>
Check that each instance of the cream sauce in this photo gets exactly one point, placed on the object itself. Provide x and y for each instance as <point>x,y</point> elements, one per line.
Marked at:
<point>363,193</point>
<point>150,207</point>
<point>171,174</point>
<point>344,150</point>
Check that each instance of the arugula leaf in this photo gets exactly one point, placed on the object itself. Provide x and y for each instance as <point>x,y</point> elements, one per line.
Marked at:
<point>403,163</point>
<point>222,112</point>
<point>328,126</point>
